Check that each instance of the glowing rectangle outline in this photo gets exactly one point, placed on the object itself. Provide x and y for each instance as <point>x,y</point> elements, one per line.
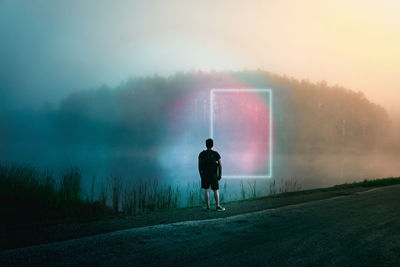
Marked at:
<point>269,91</point>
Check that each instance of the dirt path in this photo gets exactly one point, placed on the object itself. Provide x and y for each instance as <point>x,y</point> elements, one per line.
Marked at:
<point>358,229</point>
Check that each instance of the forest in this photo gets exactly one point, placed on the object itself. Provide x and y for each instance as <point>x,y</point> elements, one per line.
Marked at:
<point>323,134</point>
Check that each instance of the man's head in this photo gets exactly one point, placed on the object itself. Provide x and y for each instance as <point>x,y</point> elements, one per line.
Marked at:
<point>209,143</point>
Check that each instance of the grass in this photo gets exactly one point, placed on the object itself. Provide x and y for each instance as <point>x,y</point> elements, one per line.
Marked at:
<point>277,187</point>
<point>195,197</point>
<point>363,184</point>
<point>28,195</point>
<point>370,183</point>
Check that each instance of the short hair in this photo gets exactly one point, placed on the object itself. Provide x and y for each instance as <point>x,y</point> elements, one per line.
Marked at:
<point>209,143</point>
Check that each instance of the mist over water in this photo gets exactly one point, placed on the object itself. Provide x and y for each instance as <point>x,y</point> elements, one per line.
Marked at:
<point>155,127</point>
<point>242,128</point>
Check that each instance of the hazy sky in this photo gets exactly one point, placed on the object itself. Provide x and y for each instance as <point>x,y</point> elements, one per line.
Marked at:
<point>50,48</point>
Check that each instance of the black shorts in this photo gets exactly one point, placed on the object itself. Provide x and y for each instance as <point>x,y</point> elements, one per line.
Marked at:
<point>206,182</point>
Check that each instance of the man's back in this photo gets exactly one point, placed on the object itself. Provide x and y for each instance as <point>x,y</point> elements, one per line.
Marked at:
<point>208,162</point>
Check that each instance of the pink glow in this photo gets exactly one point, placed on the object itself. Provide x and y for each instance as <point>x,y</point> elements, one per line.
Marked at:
<point>241,122</point>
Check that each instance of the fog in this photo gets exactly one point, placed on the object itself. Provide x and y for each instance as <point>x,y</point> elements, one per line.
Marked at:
<point>123,88</point>
<point>155,127</point>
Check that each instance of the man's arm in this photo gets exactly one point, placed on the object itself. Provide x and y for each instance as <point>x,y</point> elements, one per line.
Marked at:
<point>219,169</point>
<point>200,168</point>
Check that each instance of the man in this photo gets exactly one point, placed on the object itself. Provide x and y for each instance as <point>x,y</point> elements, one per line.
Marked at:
<point>210,170</point>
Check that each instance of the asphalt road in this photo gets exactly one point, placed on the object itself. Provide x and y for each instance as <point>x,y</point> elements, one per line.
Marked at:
<point>359,229</point>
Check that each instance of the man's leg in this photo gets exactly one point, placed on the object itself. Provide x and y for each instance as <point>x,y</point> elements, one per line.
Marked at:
<point>216,197</point>
<point>207,192</point>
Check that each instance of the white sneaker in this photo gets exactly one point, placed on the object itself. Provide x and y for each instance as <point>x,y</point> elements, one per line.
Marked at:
<point>219,208</point>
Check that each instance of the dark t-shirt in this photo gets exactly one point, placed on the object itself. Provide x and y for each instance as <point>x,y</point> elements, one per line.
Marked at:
<point>208,163</point>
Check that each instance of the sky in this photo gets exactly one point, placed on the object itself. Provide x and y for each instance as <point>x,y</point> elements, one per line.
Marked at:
<point>49,49</point>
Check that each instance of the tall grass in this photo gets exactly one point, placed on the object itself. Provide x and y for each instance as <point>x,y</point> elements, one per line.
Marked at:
<point>116,188</point>
<point>248,191</point>
<point>242,191</point>
<point>253,189</point>
<point>28,195</point>
<point>163,196</point>
<point>70,185</point>
<point>129,201</point>
<point>283,186</point>
<point>223,194</point>
<point>133,198</point>
<point>195,196</point>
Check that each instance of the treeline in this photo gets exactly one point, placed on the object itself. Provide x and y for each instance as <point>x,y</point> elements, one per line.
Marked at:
<point>135,112</point>
<point>120,130</point>
<point>334,119</point>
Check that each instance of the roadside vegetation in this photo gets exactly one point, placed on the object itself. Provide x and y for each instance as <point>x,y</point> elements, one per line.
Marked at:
<point>31,196</point>
<point>366,183</point>
<point>28,195</point>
